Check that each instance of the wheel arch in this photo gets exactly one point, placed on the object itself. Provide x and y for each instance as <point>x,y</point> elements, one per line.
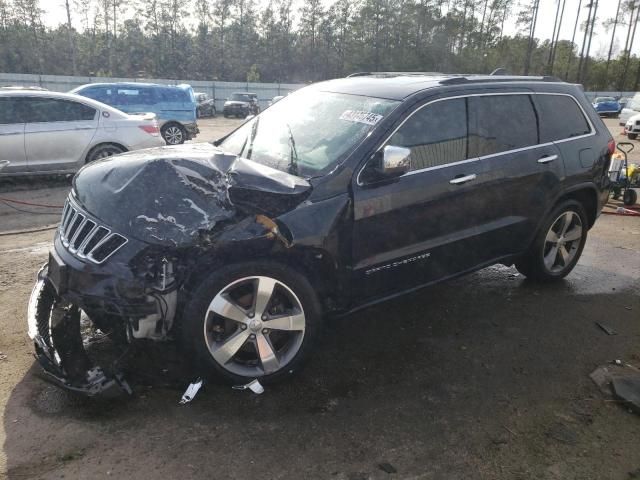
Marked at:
<point>316,265</point>
<point>102,144</point>
<point>587,196</point>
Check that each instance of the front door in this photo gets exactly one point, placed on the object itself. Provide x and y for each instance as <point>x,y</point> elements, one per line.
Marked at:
<point>12,136</point>
<point>429,223</point>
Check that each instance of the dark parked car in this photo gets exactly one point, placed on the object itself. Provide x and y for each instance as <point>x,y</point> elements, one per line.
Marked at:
<point>607,106</point>
<point>241,104</point>
<point>341,195</point>
<point>206,107</point>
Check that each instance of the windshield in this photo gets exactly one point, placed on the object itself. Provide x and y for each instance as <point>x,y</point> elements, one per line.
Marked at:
<point>605,99</point>
<point>308,132</point>
<point>240,97</point>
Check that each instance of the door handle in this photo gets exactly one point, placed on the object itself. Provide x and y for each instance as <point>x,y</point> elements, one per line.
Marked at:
<point>461,180</point>
<point>547,159</point>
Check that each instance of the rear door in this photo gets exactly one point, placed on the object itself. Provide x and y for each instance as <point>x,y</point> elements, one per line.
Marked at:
<point>12,135</point>
<point>522,174</point>
<point>58,133</point>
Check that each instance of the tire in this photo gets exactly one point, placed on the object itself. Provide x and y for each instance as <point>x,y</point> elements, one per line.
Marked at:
<point>173,134</point>
<point>545,260</point>
<point>630,197</point>
<point>228,348</point>
<point>103,151</point>
<point>226,115</point>
<point>632,136</point>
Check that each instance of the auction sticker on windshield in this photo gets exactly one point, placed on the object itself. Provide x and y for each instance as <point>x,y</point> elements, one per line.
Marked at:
<point>358,116</point>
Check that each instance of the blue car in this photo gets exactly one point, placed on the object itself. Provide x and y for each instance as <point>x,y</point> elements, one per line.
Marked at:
<point>175,107</point>
<point>607,106</point>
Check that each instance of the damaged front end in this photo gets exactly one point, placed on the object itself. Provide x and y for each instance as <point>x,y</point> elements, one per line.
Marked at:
<point>133,231</point>
<point>54,326</point>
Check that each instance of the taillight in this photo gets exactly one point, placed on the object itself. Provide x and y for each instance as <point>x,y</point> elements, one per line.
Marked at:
<point>150,129</point>
<point>611,146</point>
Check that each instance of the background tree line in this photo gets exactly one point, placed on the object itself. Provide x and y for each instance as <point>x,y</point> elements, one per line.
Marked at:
<point>283,41</point>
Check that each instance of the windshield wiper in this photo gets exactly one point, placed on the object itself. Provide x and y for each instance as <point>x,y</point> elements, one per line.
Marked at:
<point>254,132</point>
<point>293,162</point>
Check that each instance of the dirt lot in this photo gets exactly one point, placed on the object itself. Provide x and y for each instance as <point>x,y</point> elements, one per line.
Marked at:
<point>485,377</point>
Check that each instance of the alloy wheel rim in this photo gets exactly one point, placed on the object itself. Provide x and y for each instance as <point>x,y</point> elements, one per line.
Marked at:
<point>104,153</point>
<point>173,135</point>
<point>254,326</point>
<point>562,242</point>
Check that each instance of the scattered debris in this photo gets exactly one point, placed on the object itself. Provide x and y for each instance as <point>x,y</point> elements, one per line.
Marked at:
<point>628,390</point>
<point>191,391</point>
<point>387,468</point>
<point>253,385</point>
<point>635,473</point>
<point>3,356</point>
<point>606,329</point>
<point>562,433</point>
<point>620,380</point>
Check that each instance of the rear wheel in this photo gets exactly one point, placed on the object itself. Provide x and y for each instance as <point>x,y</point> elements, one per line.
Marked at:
<point>632,136</point>
<point>104,151</point>
<point>558,244</point>
<point>249,321</point>
<point>173,134</point>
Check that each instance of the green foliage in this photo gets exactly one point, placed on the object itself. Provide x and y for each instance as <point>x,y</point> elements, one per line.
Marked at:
<point>276,41</point>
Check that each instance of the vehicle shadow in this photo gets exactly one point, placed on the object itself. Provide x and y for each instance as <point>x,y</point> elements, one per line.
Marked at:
<point>461,380</point>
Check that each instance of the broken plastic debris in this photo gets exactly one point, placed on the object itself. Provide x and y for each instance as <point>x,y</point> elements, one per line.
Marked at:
<point>253,385</point>
<point>191,391</point>
<point>606,329</point>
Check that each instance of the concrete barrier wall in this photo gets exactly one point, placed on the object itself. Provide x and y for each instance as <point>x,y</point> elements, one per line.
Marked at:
<point>218,90</point>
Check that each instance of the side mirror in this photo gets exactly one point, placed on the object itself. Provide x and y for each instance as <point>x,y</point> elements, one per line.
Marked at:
<point>394,162</point>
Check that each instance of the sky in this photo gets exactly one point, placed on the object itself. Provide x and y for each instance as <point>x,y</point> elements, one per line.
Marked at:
<point>55,14</point>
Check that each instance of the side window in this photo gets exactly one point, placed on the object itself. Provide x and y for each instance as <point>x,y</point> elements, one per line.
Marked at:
<point>436,134</point>
<point>54,110</point>
<point>9,111</point>
<point>560,118</point>
<point>498,123</point>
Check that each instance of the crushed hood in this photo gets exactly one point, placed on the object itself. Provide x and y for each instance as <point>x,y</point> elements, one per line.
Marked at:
<point>168,195</point>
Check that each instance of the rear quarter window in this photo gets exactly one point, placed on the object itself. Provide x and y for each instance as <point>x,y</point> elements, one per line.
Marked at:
<point>560,118</point>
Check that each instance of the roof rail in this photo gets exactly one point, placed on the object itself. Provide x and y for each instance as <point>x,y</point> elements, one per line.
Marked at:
<point>496,78</point>
<point>393,74</point>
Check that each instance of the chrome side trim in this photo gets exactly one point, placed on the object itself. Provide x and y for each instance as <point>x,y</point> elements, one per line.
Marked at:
<point>492,94</point>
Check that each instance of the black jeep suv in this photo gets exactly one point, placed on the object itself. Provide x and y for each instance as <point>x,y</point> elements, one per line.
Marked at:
<point>343,194</point>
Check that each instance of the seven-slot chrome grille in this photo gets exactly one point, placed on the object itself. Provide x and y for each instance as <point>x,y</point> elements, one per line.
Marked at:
<point>85,238</point>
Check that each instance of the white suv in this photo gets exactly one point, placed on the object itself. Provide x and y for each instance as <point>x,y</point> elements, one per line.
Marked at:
<point>48,132</point>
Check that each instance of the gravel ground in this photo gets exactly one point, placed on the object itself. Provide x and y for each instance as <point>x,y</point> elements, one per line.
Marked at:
<point>484,377</point>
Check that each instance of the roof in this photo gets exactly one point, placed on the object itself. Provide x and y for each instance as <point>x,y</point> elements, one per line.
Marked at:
<point>61,96</point>
<point>400,85</point>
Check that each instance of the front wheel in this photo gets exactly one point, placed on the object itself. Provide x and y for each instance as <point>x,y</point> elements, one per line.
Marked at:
<point>558,244</point>
<point>252,320</point>
<point>173,134</point>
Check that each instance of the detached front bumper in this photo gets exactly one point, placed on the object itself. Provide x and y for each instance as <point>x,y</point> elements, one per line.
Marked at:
<point>54,327</point>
